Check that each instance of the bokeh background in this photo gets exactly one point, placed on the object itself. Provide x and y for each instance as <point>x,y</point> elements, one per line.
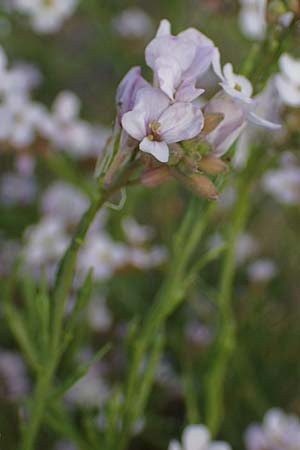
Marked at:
<point>89,55</point>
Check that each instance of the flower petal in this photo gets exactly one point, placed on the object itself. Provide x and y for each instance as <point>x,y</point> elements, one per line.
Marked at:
<point>187,92</point>
<point>134,123</point>
<point>195,437</point>
<point>180,121</point>
<point>256,120</point>
<point>169,75</point>
<point>159,150</point>
<point>164,28</point>
<point>289,92</point>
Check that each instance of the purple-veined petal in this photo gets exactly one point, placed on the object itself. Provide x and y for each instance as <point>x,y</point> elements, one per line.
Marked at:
<point>259,121</point>
<point>159,150</point>
<point>187,92</point>
<point>180,121</point>
<point>169,75</point>
<point>152,102</point>
<point>128,88</point>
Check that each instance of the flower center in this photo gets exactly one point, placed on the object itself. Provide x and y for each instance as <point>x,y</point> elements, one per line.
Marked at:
<point>154,127</point>
<point>238,87</point>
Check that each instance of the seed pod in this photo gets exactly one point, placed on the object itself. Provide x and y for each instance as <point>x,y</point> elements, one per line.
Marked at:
<point>212,165</point>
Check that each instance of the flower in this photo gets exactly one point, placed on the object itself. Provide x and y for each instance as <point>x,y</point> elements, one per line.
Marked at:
<point>46,16</point>
<point>262,270</point>
<point>177,61</point>
<point>288,81</point>
<point>239,88</point>
<point>197,437</point>
<point>283,184</point>
<point>253,18</point>
<point>278,431</point>
<point>155,123</point>
<point>133,23</point>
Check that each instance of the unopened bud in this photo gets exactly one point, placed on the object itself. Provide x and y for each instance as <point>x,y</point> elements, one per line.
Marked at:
<point>212,165</point>
<point>211,121</point>
<point>199,184</point>
<point>156,176</point>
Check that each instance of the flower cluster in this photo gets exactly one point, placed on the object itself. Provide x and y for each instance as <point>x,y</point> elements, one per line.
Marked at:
<point>62,206</point>
<point>46,16</point>
<point>24,121</point>
<point>278,431</point>
<point>165,119</point>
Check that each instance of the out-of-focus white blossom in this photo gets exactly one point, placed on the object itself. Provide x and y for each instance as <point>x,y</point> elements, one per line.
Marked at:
<point>135,233</point>
<point>17,189</point>
<point>133,23</point>
<point>64,202</point>
<point>91,390</point>
<point>283,184</point>
<point>253,18</point>
<point>197,437</point>
<point>46,16</point>
<point>247,247</point>
<point>278,431</point>
<point>45,243</point>
<point>262,270</point>
<point>99,316</point>
<point>288,80</point>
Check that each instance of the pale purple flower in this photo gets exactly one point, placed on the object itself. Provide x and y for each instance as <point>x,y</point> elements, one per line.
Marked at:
<point>133,23</point>
<point>155,123</point>
<point>233,123</point>
<point>240,90</point>
<point>262,270</point>
<point>283,184</point>
<point>253,21</point>
<point>177,61</point>
<point>128,89</point>
<point>135,233</point>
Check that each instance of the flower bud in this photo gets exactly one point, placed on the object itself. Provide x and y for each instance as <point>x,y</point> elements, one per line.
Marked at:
<point>199,184</point>
<point>212,165</point>
<point>156,176</point>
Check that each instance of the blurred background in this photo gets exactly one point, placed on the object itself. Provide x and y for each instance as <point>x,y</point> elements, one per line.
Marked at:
<point>74,70</point>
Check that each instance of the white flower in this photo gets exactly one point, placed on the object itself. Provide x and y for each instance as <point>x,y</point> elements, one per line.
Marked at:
<point>278,431</point>
<point>283,184</point>
<point>46,16</point>
<point>262,270</point>
<point>155,123</point>
<point>99,316</point>
<point>45,243</point>
<point>246,247</point>
<point>135,233</point>
<point>133,23</point>
<point>65,202</point>
<point>288,81</point>
<point>240,90</point>
<point>197,437</point>
<point>103,255</point>
<point>17,189</point>
<point>253,18</point>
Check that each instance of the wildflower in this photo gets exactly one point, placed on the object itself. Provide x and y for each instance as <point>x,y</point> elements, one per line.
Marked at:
<point>65,202</point>
<point>240,90</point>
<point>288,80</point>
<point>155,123</point>
<point>17,189</point>
<point>262,270</point>
<point>178,61</point>
<point>135,233</point>
<point>133,23</point>
<point>197,437</point>
<point>278,431</point>
<point>283,184</point>
<point>46,16</point>
<point>253,18</point>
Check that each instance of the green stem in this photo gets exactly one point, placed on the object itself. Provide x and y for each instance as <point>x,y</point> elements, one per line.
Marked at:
<point>225,343</point>
<point>62,287</point>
